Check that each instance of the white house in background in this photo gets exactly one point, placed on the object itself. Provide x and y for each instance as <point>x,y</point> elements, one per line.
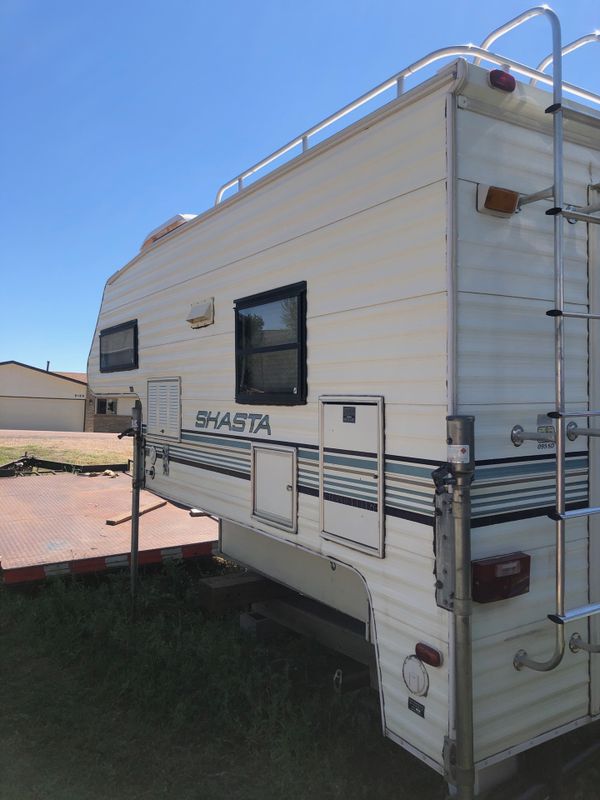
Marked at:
<point>36,399</point>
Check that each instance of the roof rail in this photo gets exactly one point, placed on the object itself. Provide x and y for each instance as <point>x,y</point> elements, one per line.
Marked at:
<point>536,11</point>
<point>302,142</point>
<point>568,48</point>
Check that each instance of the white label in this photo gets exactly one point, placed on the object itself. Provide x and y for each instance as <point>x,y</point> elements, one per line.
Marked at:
<point>458,453</point>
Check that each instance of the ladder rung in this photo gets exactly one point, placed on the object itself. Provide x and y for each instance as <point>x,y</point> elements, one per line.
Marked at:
<point>576,613</point>
<point>556,312</point>
<point>572,414</point>
<point>578,512</point>
<point>577,215</point>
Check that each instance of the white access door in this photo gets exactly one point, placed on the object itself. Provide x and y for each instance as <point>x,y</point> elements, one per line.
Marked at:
<point>274,491</point>
<point>594,450</point>
<point>351,465</point>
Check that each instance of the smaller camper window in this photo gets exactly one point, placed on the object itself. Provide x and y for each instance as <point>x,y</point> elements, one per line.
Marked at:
<point>270,330</point>
<point>119,347</point>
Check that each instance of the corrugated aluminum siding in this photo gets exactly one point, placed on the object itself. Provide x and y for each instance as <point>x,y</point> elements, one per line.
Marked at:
<point>505,369</point>
<point>364,224</point>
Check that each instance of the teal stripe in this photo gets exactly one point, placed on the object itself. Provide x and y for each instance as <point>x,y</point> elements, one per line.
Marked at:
<point>333,489</point>
<point>225,441</point>
<point>349,490</point>
<point>479,511</point>
<point>533,502</point>
<point>527,469</point>
<point>245,462</point>
<point>309,455</point>
<point>413,472</point>
<point>528,490</point>
<point>332,475</point>
<point>344,461</point>
<point>390,492</point>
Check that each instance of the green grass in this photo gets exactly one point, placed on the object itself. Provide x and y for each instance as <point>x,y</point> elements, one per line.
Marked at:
<point>178,705</point>
<point>58,452</point>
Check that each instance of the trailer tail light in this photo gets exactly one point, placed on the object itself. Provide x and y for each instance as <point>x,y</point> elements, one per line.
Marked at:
<point>502,80</point>
<point>428,655</point>
<point>500,577</point>
<point>496,201</point>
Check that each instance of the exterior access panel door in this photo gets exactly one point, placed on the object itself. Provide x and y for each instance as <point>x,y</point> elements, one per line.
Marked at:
<point>352,472</point>
<point>274,491</point>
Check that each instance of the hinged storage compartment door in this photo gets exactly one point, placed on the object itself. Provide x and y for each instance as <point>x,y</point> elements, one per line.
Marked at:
<point>274,485</point>
<point>352,471</point>
<point>163,417</point>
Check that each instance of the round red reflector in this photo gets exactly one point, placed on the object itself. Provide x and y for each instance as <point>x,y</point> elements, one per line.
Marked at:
<point>429,655</point>
<point>502,80</point>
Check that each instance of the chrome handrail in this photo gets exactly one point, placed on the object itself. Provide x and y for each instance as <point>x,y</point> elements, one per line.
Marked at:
<point>568,48</point>
<point>397,80</point>
<point>536,11</point>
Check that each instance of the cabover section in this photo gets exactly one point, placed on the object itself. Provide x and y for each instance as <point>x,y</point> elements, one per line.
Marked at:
<point>504,377</point>
<point>357,227</point>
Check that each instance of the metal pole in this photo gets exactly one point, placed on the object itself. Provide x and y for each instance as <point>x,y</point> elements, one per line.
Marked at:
<point>136,486</point>
<point>461,442</point>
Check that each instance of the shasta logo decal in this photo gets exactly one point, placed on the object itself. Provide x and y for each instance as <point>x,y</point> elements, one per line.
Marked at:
<point>239,422</point>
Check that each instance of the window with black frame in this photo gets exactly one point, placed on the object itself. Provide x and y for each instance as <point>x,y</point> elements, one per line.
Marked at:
<point>119,347</point>
<point>270,332</point>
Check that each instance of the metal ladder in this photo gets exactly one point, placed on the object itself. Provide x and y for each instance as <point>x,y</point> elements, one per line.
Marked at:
<point>559,212</point>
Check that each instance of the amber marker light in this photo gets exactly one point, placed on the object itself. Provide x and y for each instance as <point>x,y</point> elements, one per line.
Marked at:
<point>502,200</point>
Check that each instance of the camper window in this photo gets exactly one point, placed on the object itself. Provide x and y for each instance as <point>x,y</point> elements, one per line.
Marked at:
<point>119,347</point>
<point>270,331</point>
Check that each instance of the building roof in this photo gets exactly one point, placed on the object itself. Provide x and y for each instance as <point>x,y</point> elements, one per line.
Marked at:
<point>76,377</point>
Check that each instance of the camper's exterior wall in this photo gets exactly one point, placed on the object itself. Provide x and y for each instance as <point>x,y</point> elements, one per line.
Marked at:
<point>505,368</point>
<point>363,221</point>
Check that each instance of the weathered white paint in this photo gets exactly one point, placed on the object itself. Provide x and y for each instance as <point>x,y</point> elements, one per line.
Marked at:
<point>364,219</point>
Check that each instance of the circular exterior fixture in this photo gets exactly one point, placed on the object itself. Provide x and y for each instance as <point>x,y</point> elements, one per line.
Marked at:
<point>415,676</point>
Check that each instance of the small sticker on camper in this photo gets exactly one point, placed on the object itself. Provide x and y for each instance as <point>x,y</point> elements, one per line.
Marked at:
<point>349,414</point>
<point>459,453</point>
<point>417,707</point>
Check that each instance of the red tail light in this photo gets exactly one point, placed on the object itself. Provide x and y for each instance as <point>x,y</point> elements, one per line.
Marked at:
<point>502,80</point>
<point>428,655</point>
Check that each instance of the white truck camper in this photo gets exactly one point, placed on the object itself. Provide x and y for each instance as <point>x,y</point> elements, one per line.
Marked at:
<point>378,364</point>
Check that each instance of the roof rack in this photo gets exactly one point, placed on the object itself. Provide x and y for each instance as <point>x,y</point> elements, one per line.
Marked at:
<point>482,53</point>
<point>568,48</point>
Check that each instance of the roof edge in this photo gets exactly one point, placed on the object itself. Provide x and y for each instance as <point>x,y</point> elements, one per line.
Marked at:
<point>45,371</point>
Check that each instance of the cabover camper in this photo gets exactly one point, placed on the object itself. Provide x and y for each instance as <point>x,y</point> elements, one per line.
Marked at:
<point>375,359</point>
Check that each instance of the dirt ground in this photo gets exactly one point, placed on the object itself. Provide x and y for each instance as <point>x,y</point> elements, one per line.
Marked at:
<point>71,447</point>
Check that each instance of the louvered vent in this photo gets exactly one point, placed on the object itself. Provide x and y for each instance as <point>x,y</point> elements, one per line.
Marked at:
<point>163,416</point>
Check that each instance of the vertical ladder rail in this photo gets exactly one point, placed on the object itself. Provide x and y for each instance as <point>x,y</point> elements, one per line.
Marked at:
<point>522,658</point>
<point>509,26</point>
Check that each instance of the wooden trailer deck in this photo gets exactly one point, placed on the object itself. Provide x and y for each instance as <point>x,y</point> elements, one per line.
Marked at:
<point>56,525</point>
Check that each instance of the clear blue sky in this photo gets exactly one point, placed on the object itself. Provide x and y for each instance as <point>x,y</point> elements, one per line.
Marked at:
<point>117,115</point>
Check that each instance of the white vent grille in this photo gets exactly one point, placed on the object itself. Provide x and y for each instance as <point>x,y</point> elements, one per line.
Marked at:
<point>164,408</point>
